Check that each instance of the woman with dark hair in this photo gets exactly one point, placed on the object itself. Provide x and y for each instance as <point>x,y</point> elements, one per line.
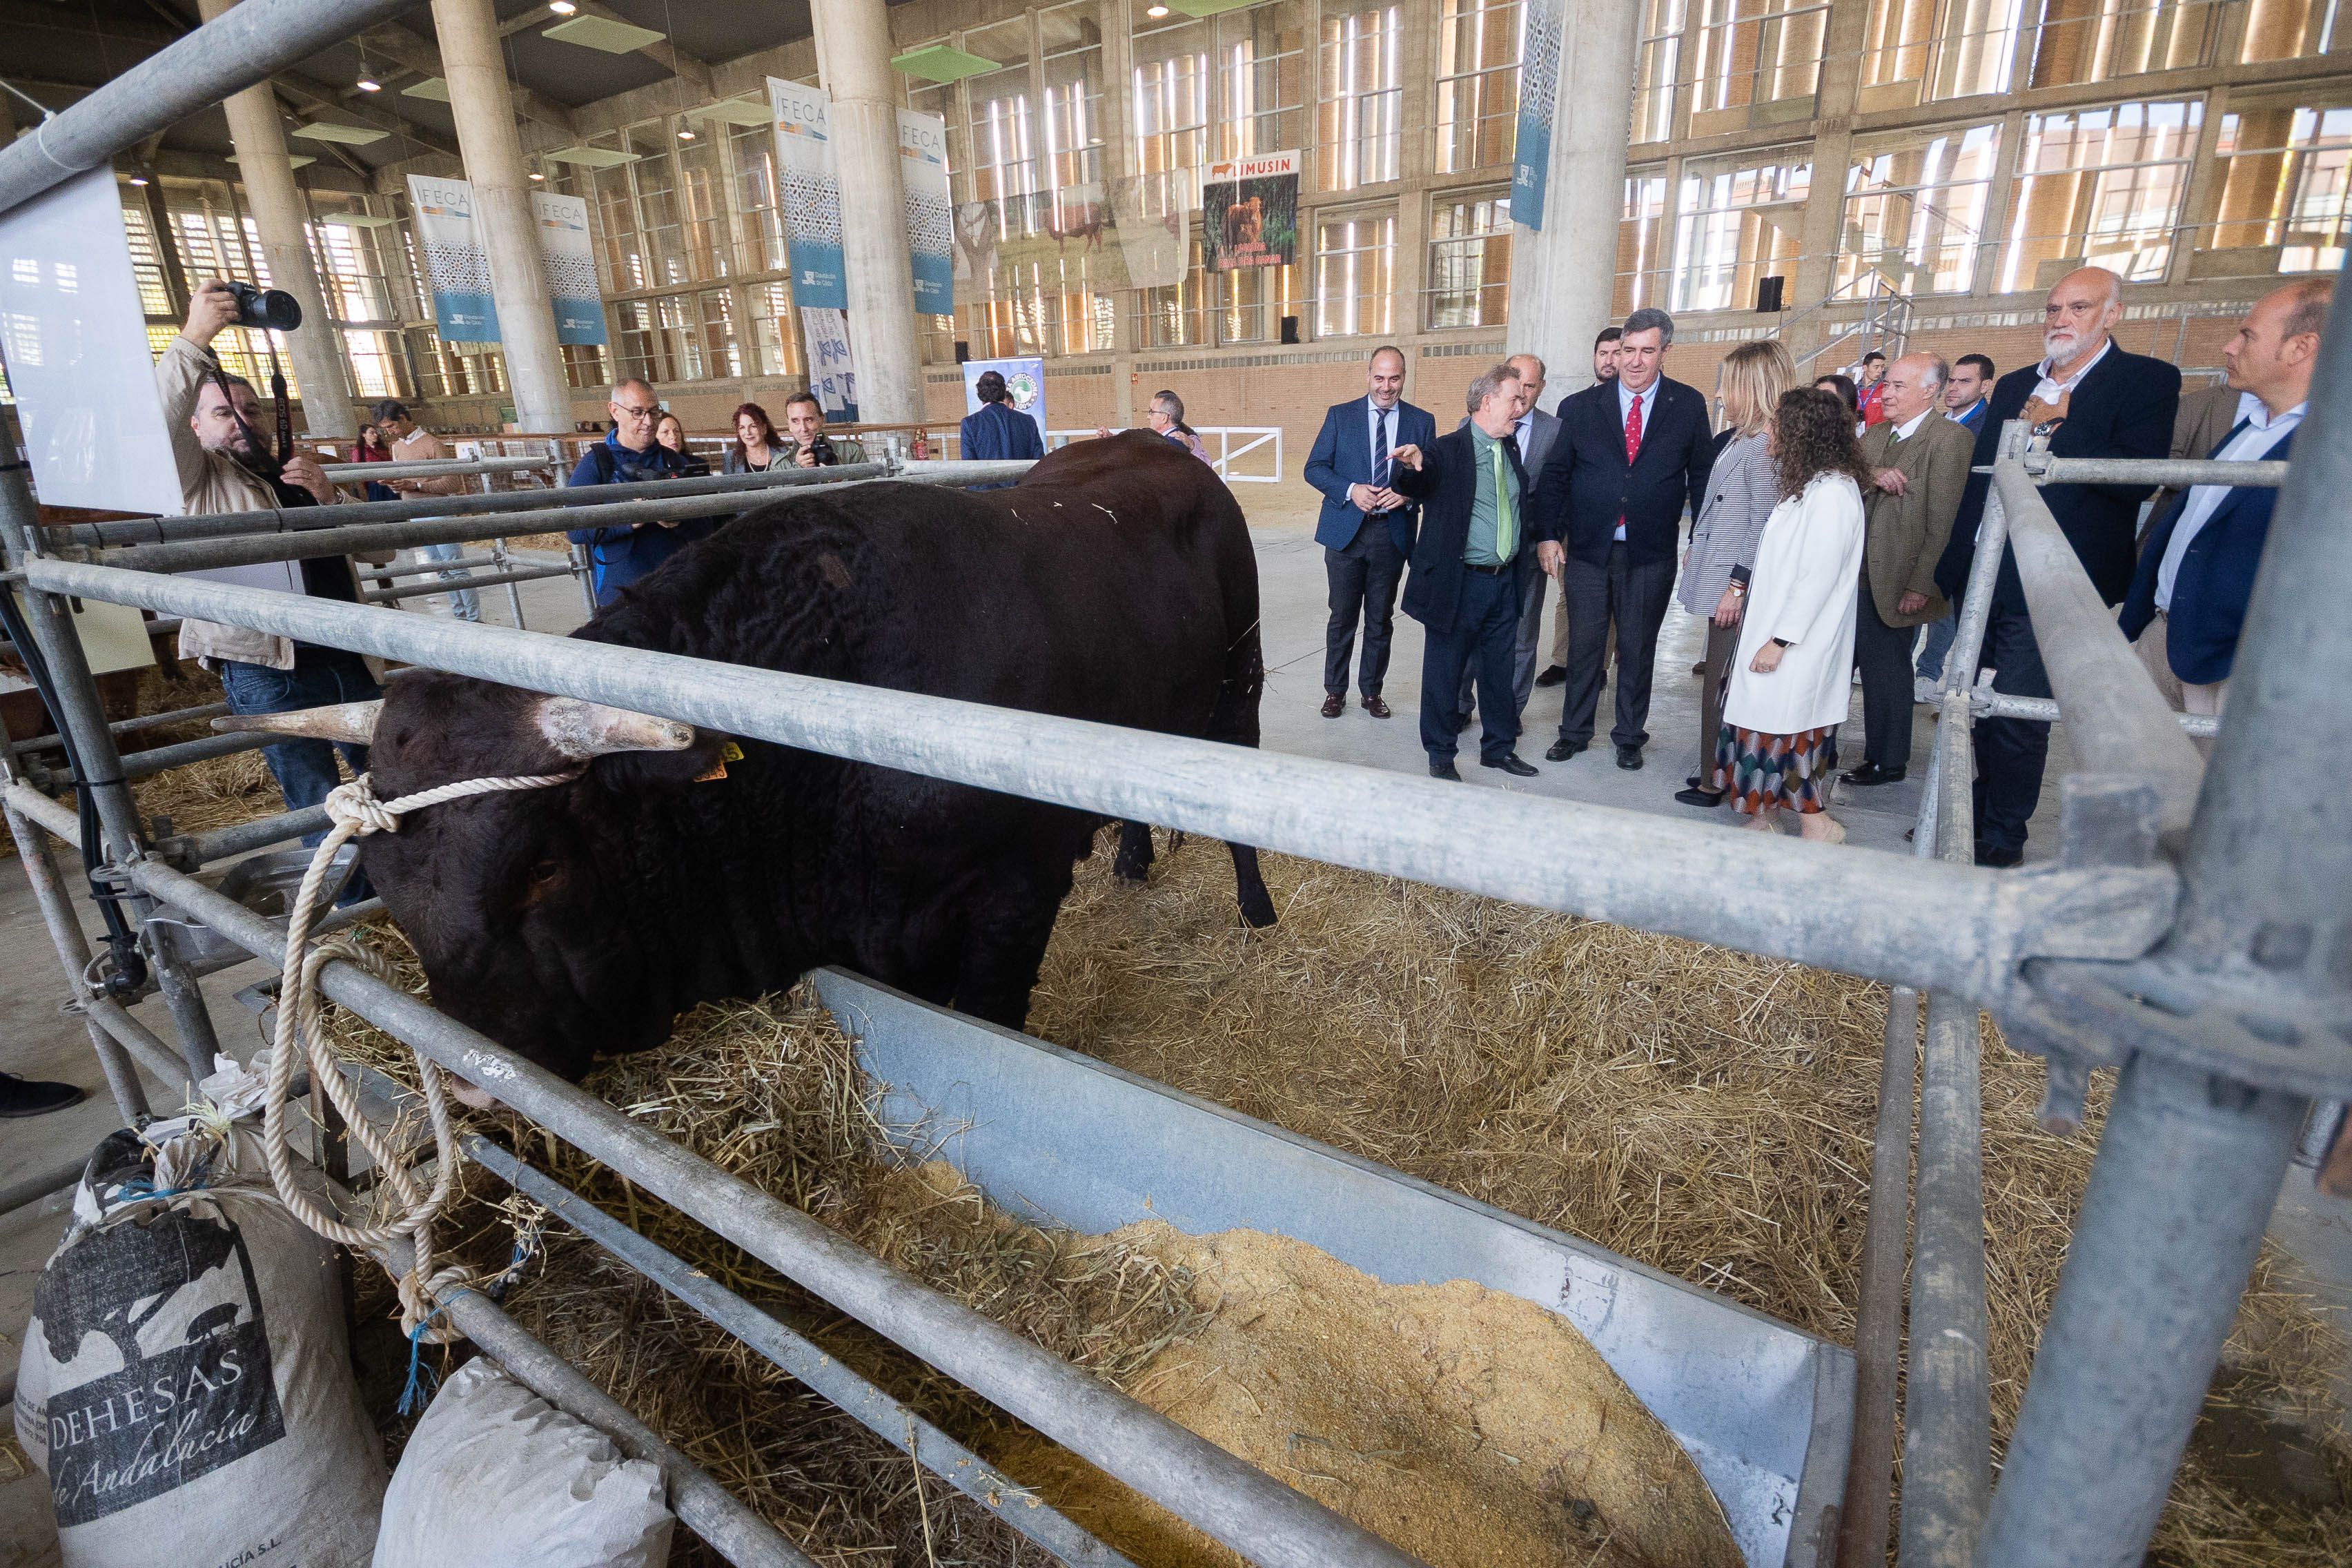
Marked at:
<point>755,449</point>
<point>1791,680</point>
<point>371,448</point>
<point>669,431</point>
<point>1842,386</point>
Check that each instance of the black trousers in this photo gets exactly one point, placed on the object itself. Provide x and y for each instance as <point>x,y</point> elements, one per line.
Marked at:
<point>1883,653</point>
<point>1485,631</point>
<point>1634,598</point>
<point>1364,579</point>
<point>1523,653</point>
<point>2011,753</point>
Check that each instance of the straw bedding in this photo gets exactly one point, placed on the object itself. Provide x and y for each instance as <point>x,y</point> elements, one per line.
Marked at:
<point>1700,1110</point>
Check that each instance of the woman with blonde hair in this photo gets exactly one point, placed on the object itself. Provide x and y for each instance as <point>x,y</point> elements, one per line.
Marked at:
<point>1741,491</point>
<point>1793,677</point>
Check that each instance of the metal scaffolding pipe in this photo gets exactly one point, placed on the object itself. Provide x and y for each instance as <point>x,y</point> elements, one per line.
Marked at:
<point>2179,473</point>
<point>433,469</point>
<point>253,42</point>
<point>2116,721</point>
<point>53,742</point>
<point>226,843</point>
<point>1953,926</point>
<point>482,580</point>
<point>1994,705</point>
<point>40,1184</point>
<point>395,574</point>
<point>1231,1500</point>
<point>73,957</point>
<point>1878,1320</point>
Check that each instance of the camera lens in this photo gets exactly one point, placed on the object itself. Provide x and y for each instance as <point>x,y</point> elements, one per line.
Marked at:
<point>272,309</point>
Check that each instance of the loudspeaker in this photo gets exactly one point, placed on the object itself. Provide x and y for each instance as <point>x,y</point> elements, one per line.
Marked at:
<point>1289,329</point>
<point>963,351</point>
<point>1769,292</point>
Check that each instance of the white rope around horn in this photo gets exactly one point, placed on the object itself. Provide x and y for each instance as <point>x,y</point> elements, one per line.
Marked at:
<point>355,813</point>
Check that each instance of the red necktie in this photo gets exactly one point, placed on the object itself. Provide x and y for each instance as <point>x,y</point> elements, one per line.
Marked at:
<point>1633,431</point>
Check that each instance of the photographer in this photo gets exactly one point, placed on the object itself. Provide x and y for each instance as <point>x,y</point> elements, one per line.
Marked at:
<point>808,446</point>
<point>225,465</point>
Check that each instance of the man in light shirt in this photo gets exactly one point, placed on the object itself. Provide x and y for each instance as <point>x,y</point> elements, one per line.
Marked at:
<point>2187,598</point>
<point>2089,398</point>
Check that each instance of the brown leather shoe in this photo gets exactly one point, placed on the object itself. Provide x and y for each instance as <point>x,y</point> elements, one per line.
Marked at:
<point>1378,707</point>
<point>1335,704</point>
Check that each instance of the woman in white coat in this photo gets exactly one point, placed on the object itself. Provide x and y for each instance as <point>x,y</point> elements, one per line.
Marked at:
<point>1791,680</point>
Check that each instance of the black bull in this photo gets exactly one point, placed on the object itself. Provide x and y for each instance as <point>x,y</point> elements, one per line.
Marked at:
<point>1115,584</point>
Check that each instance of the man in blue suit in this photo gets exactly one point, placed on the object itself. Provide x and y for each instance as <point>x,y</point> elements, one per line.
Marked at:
<point>1966,389</point>
<point>2093,400</point>
<point>2188,597</point>
<point>1629,456</point>
<point>1365,528</point>
<point>998,432</point>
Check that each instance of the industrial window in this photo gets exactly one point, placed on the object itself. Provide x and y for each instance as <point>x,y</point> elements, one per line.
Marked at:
<point>722,348</point>
<point>350,269</point>
<point>375,363</point>
<point>583,367</point>
<point>1640,240</point>
<point>1252,302</point>
<point>146,265</point>
<point>1354,273</point>
<point>1915,209</point>
<point>759,237</point>
<point>1004,128</point>
<point>1759,61</point>
<point>659,219</point>
<point>1362,114</point>
<point>1923,49</point>
<point>658,340</point>
<point>2099,187</point>
<point>1170,105</point>
<point>1478,47</point>
<point>1069,41</point>
<point>1261,71</point>
<point>1469,260</point>
<point>1173,316</point>
<point>1736,220</point>
<point>774,331</point>
<point>627,266</point>
<point>2286,29</point>
<point>2083,41</point>
<point>2284,191</point>
<point>1659,57</point>
<point>702,203</point>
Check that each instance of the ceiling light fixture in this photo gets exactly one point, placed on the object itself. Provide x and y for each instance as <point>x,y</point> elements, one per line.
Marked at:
<point>684,134</point>
<point>561,7</point>
<point>138,179</point>
<point>368,84</point>
<point>1155,12</point>
<point>537,175</point>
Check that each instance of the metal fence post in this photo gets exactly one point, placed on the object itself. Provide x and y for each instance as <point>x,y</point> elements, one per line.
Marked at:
<point>73,956</point>
<point>2207,1105</point>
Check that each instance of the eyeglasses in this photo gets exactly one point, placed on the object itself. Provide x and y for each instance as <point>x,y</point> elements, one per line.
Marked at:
<point>632,411</point>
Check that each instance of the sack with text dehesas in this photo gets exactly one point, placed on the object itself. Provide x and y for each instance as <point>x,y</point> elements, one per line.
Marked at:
<point>185,1381</point>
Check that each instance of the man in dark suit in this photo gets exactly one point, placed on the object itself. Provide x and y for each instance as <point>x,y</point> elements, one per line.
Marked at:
<point>2188,597</point>
<point>2091,400</point>
<point>1920,462</point>
<point>1469,568</point>
<point>1604,373</point>
<point>1533,432</point>
<point>1966,389</point>
<point>998,431</point>
<point>1365,527</point>
<point>1630,455</point>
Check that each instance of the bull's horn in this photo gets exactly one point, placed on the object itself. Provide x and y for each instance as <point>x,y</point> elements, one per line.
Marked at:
<point>351,723</point>
<point>578,731</point>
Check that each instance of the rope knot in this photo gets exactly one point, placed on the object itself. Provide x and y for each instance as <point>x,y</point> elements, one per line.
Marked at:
<point>354,806</point>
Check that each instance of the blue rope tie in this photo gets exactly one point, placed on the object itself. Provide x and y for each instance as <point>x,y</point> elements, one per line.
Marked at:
<point>422,1381</point>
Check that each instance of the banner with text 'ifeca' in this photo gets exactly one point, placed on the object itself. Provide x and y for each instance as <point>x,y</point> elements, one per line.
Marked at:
<point>810,191</point>
<point>456,268</point>
<point>1538,91</point>
<point>568,261</point>
<point>930,236</point>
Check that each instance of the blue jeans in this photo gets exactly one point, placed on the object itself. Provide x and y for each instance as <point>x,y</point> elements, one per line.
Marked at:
<point>464,603</point>
<point>305,769</point>
<point>1938,644</point>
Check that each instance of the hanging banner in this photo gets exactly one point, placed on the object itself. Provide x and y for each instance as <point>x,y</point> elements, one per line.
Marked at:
<point>1024,379</point>
<point>1249,211</point>
<point>568,261</point>
<point>810,190</point>
<point>456,268</point>
<point>1538,88</point>
<point>930,239</point>
<point>825,334</point>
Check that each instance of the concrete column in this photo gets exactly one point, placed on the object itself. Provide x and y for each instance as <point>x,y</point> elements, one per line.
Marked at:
<point>1849,25</point>
<point>266,172</point>
<point>1563,279</point>
<point>491,138</point>
<point>1119,165</point>
<point>853,53</point>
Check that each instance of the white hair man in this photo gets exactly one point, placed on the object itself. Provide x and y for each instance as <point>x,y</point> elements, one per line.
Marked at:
<point>1533,431</point>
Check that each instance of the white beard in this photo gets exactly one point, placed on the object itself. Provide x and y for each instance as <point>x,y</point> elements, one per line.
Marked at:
<point>2056,346</point>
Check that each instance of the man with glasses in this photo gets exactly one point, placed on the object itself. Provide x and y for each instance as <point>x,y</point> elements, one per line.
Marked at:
<point>2088,398</point>
<point>619,556</point>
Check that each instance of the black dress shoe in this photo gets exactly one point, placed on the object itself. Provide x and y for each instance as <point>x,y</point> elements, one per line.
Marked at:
<point>1563,749</point>
<point>1512,765</point>
<point>1378,707</point>
<point>1698,796</point>
<point>1444,770</point>
<point>1553,675</point>
<point>35,1096</point>
<point>1629,757</point>
<point>1999,858</point>
<point>1335,704</point>
<point>1871,774</point>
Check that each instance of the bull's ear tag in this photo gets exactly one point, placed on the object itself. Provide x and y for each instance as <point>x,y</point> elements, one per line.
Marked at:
<point>730,753</point>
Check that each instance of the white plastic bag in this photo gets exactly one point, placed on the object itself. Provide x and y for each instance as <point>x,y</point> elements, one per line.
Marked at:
<point>496,1474</point>
<point>186,1383</point>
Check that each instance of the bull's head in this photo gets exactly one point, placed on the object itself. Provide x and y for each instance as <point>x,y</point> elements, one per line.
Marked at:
<point>540,914</point>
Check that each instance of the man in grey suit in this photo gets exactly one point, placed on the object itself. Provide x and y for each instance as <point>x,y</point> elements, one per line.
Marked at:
<point>1921,462</point>
<point>1535,431</point>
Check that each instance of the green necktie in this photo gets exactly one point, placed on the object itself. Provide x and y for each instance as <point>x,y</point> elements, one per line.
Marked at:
<point>1507,540</point>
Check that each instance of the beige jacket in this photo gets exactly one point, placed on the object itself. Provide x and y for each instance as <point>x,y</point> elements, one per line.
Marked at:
<point>212,482</point>
<point>424,446</point>
<point>1906,532</point>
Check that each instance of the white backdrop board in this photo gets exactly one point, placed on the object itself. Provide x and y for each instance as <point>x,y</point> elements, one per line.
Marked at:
<point>74,335</point>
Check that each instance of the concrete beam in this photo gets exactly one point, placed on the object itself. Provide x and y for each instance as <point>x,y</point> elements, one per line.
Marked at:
<point>413,51</point>
<point>693,72</point>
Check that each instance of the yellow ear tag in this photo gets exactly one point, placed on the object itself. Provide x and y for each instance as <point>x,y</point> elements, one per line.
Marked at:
<point>730,753</point>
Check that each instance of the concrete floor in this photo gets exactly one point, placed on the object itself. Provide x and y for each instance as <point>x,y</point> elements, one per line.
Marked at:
<point>38,1041</point>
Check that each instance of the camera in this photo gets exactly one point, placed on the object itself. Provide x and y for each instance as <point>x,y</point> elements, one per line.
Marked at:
<point>272,309</point>
<point>822,447</point>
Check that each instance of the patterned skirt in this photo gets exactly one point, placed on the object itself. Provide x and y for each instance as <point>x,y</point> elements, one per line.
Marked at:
<point>1761,771</point>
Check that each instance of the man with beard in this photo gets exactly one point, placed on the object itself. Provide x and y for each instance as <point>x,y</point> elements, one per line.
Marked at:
<point>224,466</point>
<point>2088,399</point>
